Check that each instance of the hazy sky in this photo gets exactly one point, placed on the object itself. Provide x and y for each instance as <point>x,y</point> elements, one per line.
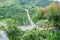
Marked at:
<point>56,0</point>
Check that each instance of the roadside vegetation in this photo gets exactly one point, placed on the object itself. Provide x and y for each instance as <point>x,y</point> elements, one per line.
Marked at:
<point>15,16</point>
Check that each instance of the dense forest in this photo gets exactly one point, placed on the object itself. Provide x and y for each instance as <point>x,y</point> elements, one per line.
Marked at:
<point>16,8</point>
<point>44,14</point>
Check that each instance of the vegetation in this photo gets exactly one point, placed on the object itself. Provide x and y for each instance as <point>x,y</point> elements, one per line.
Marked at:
<point>51,13</point>
<point>41,12</point>
<point>15,33</point>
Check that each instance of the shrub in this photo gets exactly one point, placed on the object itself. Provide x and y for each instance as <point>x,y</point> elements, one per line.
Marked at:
<point>13,31</point>
<point>55,15</point>
<point>51,12</point>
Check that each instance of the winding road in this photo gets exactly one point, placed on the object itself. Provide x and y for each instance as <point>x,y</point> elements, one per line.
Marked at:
<point>29,27</point>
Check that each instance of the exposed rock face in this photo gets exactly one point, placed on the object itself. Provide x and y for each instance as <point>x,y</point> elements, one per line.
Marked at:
<point>3,35</point>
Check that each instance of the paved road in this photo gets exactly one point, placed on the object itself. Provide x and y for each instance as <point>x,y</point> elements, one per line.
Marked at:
<point>28,27</point>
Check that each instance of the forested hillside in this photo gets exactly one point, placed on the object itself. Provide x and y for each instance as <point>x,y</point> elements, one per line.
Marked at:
<point>34,2</point>
<point>29,20</point>
<point>14,9</point>
<point>26,2</point>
